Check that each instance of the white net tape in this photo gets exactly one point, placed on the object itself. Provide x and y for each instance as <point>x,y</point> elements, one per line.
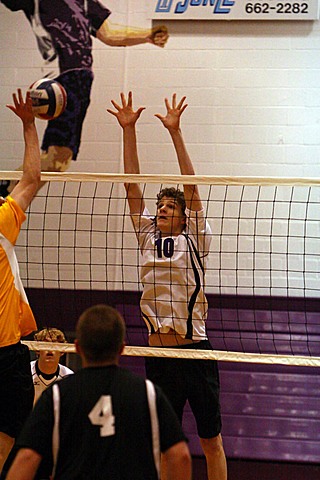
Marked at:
<point>301,361</point>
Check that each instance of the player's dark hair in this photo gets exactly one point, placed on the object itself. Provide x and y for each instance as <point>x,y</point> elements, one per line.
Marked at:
<point>100,332</point>
<point>175,193</point>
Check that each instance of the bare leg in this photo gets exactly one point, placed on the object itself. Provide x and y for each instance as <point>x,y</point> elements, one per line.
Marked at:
<point>56,159</point>
<point>215,457</point>
<point>6,444</point>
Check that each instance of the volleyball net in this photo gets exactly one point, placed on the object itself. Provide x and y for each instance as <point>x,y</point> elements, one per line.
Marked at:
<point>78,248</point>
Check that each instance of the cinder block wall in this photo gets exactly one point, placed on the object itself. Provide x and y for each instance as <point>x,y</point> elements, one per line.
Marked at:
<point>253,90</point>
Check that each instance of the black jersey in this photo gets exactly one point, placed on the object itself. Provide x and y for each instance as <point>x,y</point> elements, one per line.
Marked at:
<point>105,427</point>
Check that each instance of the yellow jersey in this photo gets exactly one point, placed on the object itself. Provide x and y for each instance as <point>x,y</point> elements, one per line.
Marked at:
<point>16,317</point>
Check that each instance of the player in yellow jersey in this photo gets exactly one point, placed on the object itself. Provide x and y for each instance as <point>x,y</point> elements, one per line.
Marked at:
<point>16,318</point>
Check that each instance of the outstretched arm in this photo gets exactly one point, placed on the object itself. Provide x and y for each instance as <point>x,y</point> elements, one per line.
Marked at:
<point>176,462</point>
<point>25,465</point>
<point>29,183</point>
<point>127,119</point>
<point>123,36</point>
<point>172,123</point>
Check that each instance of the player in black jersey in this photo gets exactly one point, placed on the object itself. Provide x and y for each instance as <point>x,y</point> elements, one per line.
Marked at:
<point>108,423</point>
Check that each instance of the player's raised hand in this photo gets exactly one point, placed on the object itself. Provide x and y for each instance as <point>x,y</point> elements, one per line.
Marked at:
<point>159,36</point>
<point>174,111</point>
<point>22,108</point>
<point>124,113</point>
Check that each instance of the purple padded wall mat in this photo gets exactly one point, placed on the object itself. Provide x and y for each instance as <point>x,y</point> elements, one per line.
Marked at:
<point>270,412</point>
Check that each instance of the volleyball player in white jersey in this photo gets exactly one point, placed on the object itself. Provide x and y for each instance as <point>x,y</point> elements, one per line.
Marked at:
<point>46,369</point>
<point>174,246</point>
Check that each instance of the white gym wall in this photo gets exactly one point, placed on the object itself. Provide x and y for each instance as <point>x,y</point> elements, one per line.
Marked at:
<point>253,90</point>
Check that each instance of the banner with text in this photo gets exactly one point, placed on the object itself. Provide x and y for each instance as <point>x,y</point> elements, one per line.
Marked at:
<point>234,9</point>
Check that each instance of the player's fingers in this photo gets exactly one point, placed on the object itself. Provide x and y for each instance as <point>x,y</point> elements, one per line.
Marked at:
<point>130,99</point>
<point>174,99</point>
<point>166,101</point>
<point>140,110</point>
<point>116,106</point>
<point>12,108</point>
<point>160,40</point>
<point>161,29</point>
<point>15,100</point>
<point>28,100</point>
<point>183,108</point>
<point>181,102</point>
<point>112,112</point>
<point>123,100</point>
<point>20,95</point>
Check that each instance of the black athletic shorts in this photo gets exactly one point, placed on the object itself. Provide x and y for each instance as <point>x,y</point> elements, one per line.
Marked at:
<point>194,380</point>
<point>65,130</point>
<point>16,388</point>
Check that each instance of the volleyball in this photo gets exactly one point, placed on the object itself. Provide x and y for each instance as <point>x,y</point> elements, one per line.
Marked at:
<point>49,98</point>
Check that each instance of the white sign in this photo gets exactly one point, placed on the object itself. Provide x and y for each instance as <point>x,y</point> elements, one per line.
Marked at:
<point>234,9</point>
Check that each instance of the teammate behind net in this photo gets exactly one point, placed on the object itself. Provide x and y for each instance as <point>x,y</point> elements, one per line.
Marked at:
<point>46,369</point>
<point>174,246</point>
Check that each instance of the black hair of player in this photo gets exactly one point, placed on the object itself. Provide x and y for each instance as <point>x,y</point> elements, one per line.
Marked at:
<point>100,333</point>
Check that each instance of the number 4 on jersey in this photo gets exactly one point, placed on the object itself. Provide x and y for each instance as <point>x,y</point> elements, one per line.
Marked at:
<point>101,414</point>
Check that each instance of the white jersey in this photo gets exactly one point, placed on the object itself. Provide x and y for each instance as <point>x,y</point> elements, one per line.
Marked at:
<point>41,383</point>
<point>172,275</point>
